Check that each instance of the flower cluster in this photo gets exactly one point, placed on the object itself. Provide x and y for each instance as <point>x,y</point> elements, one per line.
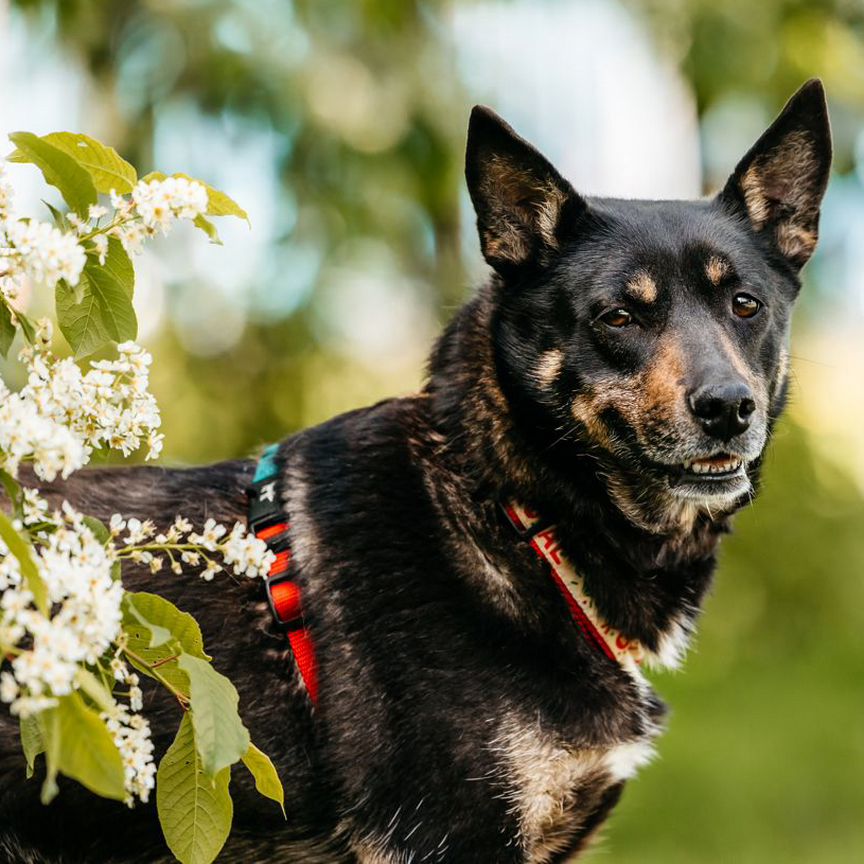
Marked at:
<point>34,250</point>
<point>84,616</point>
<point>81,624</point>
<point>153,206</point>
<point>131,734</point>
<point>238,550</point>
<point>63,414</point>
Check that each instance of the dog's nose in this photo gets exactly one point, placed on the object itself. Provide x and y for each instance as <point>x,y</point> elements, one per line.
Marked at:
<point>723,410</point>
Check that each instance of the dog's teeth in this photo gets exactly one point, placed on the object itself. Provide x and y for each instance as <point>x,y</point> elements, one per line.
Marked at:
<point>708,467</point>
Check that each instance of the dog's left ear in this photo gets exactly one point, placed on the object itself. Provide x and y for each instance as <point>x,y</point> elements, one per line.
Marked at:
<point>780,182</point>
<point>524,206</point>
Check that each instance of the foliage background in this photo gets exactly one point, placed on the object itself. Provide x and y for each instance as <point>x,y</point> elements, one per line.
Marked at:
<point>340,126</point>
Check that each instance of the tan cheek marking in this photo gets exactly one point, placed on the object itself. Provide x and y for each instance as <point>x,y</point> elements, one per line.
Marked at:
<point>716,269</point>
<point>586,410</point>
<point>643,287</point>
<point>549,367</point>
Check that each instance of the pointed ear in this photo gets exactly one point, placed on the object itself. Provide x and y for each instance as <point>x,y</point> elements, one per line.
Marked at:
<point>523,205</point>
<point>780,182</point>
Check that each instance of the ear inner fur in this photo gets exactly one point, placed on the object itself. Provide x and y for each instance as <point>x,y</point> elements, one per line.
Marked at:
<point>522,202</point>
<point>781,180</point>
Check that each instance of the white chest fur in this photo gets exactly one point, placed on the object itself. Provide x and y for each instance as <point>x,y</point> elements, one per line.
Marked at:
<point>548,780</point>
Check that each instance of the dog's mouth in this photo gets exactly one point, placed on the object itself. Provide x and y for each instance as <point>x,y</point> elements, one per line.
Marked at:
<point>721,466</point>
<point>717,474</point>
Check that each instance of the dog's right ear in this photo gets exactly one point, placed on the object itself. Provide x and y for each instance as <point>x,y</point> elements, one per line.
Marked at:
<point>524,206</point>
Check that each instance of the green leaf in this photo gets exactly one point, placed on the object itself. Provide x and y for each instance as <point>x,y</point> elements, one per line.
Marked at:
<point>49,727</point>
<point>208,228</point>
<point>195,810</point>
<point>157,613</point>
<point>59,169</point>
<point>98,529</point>
<point>12,488</point>
<point>219,732</point>
<point>79,315</point>
<point>105,311</point>
<point>159,662</point>
<point>20,548</point>
<point>85,749</point>
<point>267,781</point>
<point>27,326</point>
<point>31,741</point>
<point>7,329</point>
<point>106,168</point>
<point>60,220</point>
<point>218,203</point>
<point>151,634</point>
<point>94,688</point>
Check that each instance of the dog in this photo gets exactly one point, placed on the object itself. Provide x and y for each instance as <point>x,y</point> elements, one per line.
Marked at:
<point>487,566</point>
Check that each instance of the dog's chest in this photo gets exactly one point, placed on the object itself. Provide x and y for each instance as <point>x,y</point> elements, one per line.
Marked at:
<point>554,788</point>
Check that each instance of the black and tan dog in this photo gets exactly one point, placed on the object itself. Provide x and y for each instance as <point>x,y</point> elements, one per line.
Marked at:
<point>619,375</point>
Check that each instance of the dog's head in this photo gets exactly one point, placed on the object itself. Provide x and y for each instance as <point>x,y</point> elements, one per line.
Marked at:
<point>651,333</point>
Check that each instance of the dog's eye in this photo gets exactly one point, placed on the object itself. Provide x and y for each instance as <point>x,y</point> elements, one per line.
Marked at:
<point>745,306</point>
<point>617,318</point>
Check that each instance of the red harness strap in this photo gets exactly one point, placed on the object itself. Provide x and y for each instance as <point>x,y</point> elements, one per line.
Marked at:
<point>267,521</point>
<point>284,596</point>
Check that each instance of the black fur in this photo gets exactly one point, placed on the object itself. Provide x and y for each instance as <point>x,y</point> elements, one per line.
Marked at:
<point>462,717</point>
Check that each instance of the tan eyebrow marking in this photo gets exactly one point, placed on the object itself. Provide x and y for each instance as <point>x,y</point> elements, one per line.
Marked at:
<point>643,287</point>
<point>717,269</point>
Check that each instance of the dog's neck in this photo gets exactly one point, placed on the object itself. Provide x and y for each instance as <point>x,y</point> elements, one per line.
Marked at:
<point>647,581</point>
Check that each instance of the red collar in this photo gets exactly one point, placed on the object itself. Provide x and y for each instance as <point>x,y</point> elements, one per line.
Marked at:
<point>613,643</point>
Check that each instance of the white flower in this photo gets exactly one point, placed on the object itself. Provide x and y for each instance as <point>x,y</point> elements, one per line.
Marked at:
<point>100,242</point>
<point>248,555</point>
<point>160,202</point>
<point>6,195</point>
<point>131,735</point>
<point>8,687</point>
<point>48,255</point>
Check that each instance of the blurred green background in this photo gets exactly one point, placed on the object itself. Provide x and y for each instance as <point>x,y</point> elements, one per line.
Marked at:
<point>340,127</point>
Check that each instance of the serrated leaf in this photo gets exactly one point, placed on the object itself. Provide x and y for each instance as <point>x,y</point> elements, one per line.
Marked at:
<point>267,781</point>
<point>218,203</point>
<point>20,548</point>
<point>31,742</point>
<point>157,612</point>
<point>118,267</point>
<point>195,810</point>
<point>79,315</point>
<point>208,228</point>
<point>85,749</point>
<point>7,329</point>
<point>59,169</point>
<point>104,312</point>
<point>106,168</point>
<point>221,737</point>
<point>151,634</point>
<point>159,662</point>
